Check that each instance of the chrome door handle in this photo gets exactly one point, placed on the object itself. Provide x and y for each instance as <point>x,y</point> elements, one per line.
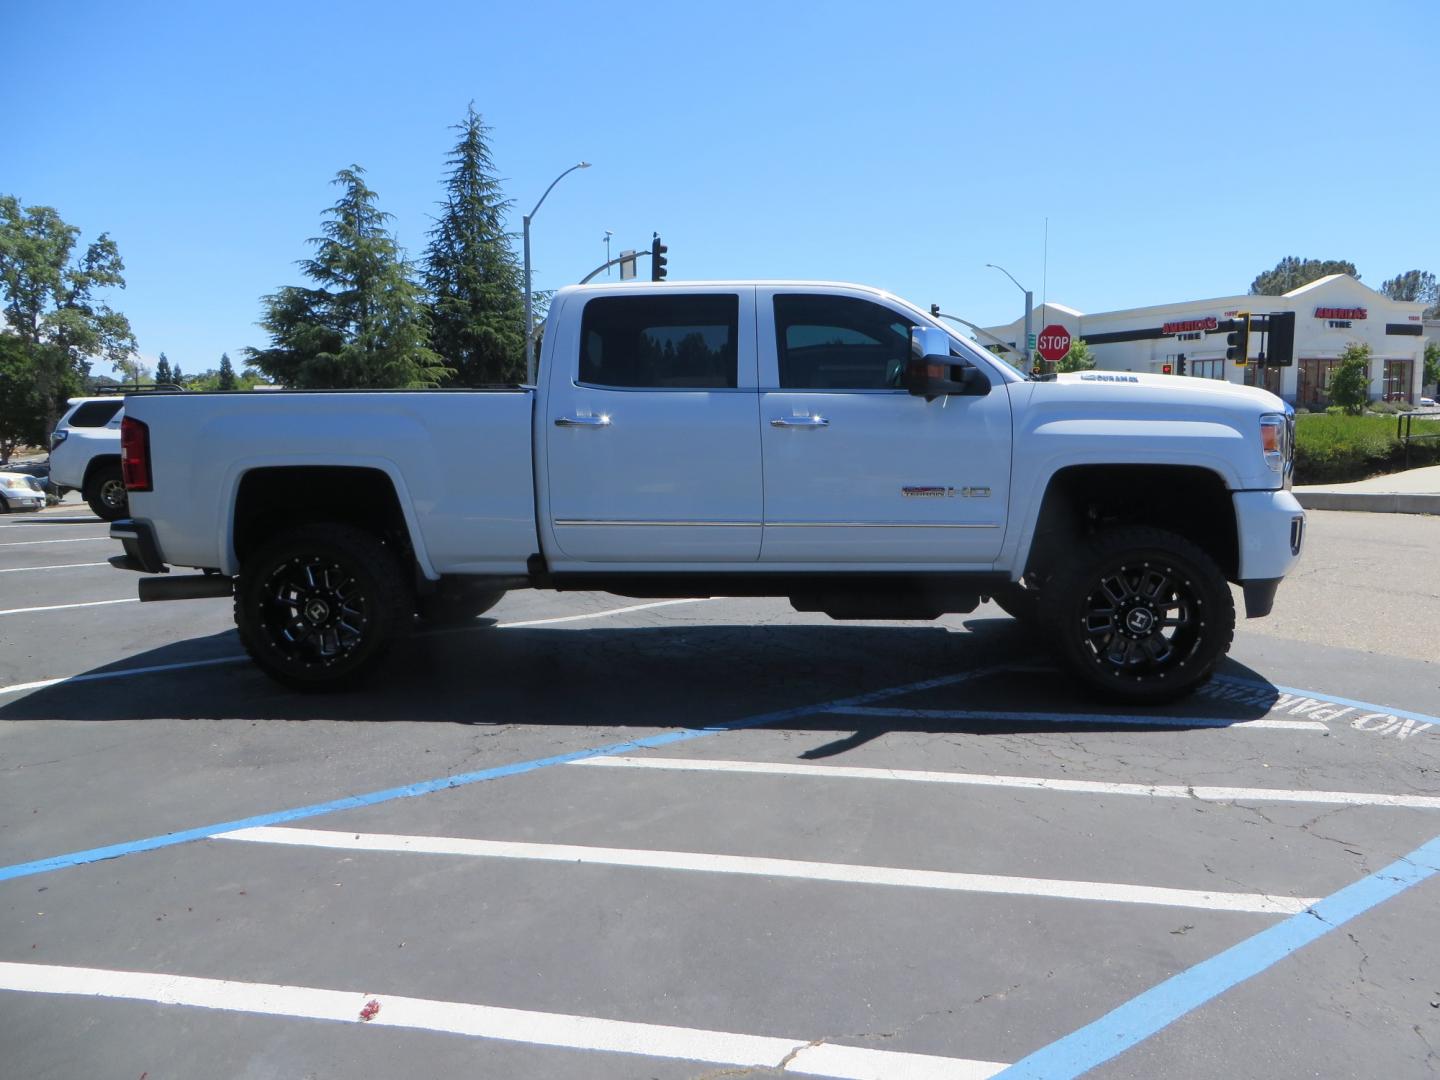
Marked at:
<point>800,421</point>
<point>582,421</point>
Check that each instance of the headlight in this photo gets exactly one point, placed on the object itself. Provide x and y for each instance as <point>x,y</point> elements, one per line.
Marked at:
<point>12,484</point>
<point>1275,441</point>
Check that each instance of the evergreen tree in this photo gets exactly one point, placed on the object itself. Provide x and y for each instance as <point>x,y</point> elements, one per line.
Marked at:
<point>364,325</point>
<point>177,376</point>
<point>163,374</point>
<point>226,380</point>
<point>475,286</point>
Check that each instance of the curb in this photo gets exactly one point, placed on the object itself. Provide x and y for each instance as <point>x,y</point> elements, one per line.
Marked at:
<point>1375,502</point>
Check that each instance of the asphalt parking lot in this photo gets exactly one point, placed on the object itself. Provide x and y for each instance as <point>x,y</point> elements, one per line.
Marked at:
<point>607,838</point>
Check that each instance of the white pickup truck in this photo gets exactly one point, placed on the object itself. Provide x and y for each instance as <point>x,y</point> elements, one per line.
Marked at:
<point>828,443</point>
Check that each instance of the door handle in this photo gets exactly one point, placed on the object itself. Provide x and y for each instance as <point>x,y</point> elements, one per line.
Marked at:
<point>800,421</point>
<point>582,421</point>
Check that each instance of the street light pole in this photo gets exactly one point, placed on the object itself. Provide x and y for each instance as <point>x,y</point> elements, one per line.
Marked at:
<point>529,298</point>
<point>1029,306</point>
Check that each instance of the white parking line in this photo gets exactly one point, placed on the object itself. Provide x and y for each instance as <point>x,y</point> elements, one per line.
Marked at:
<point>597,614</point>
<point>44,523</point>
<point>57,566</point>
<point>804,1057</point>
<point>848,873</point>
<point>1079,718</point>
<point>71,540</point>
<point>67,607</point>
<point>1032,783</point>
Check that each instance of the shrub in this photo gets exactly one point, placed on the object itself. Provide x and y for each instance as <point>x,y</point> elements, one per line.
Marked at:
<point>1350,384</point>
<point>1335,448</point>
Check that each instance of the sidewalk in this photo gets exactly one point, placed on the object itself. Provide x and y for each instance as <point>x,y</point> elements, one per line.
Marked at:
<point>1415,491</point>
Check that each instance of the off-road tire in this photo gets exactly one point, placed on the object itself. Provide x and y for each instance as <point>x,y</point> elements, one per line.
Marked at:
<point>105,493</point>
<point>1139,615</point>
<point>318,606</point>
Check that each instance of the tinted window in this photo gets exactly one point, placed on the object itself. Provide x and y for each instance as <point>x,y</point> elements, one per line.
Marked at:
<point>839,343</point>
<point>664,342</point>
<point>95,413</point>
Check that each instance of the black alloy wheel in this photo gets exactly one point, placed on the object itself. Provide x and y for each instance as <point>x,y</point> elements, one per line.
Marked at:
<point>1141,615</point>
<point>319,605</point>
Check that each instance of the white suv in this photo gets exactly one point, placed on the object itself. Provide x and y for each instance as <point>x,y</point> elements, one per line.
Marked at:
<point>85,454</point>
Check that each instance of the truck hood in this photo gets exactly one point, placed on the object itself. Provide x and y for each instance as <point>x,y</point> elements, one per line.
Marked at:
<point>1106,388</point>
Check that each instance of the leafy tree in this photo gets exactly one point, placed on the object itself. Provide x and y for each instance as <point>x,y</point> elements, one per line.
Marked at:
<point>51,306</point>
<point>1291,273</point>
<point>22,406</point>
<point>163,374</point>
<point>364,325</point>
<point>476,291</point>
<point>1079,358</point>
<point>1432,363</point>
<point>1350,382</point>
<point>1415,285</point>
<point>225,379</point>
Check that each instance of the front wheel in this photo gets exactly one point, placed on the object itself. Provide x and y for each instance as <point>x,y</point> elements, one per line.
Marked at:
<point>1140,615</point>
<point>105,492</point>
<point>318,606</point>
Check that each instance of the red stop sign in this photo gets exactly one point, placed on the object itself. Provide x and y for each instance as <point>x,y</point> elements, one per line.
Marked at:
<point>1054,342</point>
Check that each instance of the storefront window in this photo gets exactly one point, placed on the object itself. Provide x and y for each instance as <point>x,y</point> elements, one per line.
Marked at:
<point>1272,377</point>
<point>1398,376</point>
<point>1312,389</point>
<point>1207,369</point>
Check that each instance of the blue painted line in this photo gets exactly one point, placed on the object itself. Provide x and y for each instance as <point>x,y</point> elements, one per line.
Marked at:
<point>426,787</point>
<point>1157,1008</point>
<point>1368,706</point>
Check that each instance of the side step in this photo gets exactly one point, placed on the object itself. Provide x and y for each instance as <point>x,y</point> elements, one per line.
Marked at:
<point>188,587</point>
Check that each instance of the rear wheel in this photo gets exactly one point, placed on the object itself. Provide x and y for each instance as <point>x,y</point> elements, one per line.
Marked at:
<point>318,606</point>
<point>105,492</point>
<point>1140,615</point>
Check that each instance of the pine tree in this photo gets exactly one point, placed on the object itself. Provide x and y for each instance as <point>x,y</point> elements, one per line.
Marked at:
<point>227,373</point>
<point>163,373</point>
<point>177,376</point>
<point>477,303</point>
<point>365,325</point>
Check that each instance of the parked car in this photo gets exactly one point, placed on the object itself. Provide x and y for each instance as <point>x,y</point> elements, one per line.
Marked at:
<point>1427,403</point>
<point>20,491</point>
<point>85,454</point>
<point>827,443</point>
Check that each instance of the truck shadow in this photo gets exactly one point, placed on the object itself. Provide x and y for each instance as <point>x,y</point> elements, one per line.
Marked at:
<point>993,678</point>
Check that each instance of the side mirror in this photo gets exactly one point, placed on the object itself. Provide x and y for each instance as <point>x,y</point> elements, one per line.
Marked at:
<point>932,372</point>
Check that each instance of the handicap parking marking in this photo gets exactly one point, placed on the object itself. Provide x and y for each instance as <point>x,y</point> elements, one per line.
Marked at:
<point>804,1057</point>
<point>1317,705</point>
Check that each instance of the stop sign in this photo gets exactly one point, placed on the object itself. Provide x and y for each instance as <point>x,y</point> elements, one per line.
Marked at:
<point>1054,342</point>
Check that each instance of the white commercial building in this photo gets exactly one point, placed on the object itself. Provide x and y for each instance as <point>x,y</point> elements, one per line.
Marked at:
<point>1329,314</point>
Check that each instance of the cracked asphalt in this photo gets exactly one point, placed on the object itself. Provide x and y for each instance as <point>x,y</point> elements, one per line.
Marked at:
<point>1327,696</point>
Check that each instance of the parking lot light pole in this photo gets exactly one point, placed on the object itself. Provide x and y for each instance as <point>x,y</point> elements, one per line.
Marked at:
<point>1029,305</point>
<point>529,300</point>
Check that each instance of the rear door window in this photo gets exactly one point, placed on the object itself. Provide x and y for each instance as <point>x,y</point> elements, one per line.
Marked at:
<point>93,414</point>
<point>661,342</point>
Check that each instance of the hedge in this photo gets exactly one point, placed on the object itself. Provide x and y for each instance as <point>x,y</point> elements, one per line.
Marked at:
<point>1336,449</point>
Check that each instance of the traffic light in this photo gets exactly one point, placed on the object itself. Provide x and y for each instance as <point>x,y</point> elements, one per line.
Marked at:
<point>1238,340</point>
<point>1180,364</point>
<point>658,261</point>
<point>1281,352</point>
<point>1166,369</point>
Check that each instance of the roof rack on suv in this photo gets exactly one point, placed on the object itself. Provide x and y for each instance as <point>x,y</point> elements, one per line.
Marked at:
<point>138,388</point>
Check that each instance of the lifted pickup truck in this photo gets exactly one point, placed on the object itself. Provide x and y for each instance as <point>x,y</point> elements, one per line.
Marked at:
<point>828,443</point>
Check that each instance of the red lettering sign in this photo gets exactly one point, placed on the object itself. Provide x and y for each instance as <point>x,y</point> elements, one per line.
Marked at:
<point>1189,326</point>
<point>1341,313</point>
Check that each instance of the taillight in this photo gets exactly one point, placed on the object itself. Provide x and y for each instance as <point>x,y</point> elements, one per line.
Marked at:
<point>135,454</point>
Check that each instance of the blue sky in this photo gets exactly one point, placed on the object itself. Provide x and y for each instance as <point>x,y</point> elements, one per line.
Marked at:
<point>1176,151</point>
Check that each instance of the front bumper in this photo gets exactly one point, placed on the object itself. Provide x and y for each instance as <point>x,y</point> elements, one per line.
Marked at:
<point>1271,528</point>
<point>17,500</point>
<point>141,551</point>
